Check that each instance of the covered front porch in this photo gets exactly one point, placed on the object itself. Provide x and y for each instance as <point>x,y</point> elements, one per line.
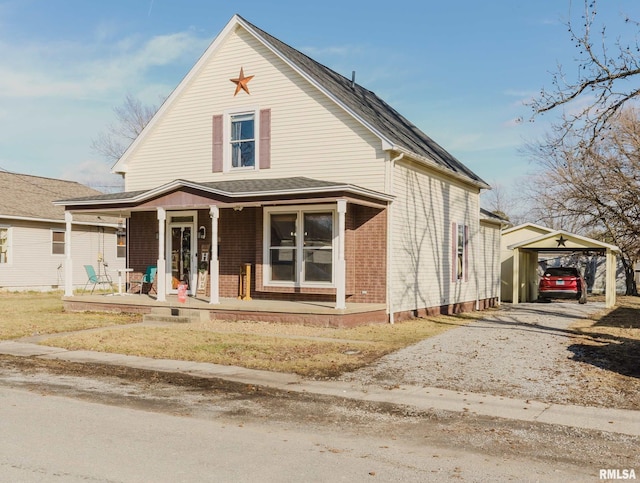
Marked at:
<point>199,308</point>
<point>284,246</point>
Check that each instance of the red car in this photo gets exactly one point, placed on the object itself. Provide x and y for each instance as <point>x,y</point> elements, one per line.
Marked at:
<point>562,283</point>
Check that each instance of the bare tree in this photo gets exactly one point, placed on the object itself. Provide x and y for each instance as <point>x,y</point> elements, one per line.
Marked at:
<point>594,188</point>
<point>131,118</point>
<point>506,202</point>
<point>601,84</point>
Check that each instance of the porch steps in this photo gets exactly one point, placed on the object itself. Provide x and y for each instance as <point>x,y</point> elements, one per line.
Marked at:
<point>176,315</point>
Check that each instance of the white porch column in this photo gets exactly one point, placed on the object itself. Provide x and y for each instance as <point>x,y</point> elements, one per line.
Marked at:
<point>341,266</point>
<point>68,263</point>
<point>162,265</point>
<point>214,264</point>
<point>610,280</point>
<point>516,277</point>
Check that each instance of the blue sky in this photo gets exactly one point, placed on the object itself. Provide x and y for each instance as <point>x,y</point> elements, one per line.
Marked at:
<point>458,69</point>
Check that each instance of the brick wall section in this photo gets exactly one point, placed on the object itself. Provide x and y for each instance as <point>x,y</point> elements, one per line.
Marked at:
<point>366,251</point>
<point>240,234</point>
<point>237,246</point>
<point>143,244</point>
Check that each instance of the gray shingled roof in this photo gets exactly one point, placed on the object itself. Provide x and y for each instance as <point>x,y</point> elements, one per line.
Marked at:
<point>490,215</point>
<point>234,188</point>
<point>26,196</point>
<point>369,107</point>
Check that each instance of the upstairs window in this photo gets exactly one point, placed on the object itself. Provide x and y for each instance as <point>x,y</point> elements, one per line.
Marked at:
<point>243,141</point>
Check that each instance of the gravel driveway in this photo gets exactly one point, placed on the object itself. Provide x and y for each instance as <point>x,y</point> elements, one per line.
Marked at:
<point>518,351</point>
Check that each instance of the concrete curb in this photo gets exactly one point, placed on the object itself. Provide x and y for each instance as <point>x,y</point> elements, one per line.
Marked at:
<point>424,398</point>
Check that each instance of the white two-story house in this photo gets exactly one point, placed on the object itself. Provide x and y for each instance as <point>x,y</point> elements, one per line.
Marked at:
<point>264,158</point>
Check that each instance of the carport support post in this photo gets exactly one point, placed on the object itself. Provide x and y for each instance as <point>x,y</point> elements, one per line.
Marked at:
<point>610,285</point>
<point>162,267</point>
<point>341,267</point>
<point>515,282</point>
<point>214,264</point>
<point>68,263</point>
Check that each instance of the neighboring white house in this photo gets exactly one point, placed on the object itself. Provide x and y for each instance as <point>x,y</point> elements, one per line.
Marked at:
<point>263,156</point>
<point>33,239</point>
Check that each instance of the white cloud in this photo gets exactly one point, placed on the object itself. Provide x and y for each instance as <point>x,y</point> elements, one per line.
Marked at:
<point>95,70</point>
<point>55,97</point>
<point>96,174</point>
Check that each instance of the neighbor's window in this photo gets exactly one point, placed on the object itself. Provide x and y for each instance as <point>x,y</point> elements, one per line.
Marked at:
<point>4,244</point>
<point>243,142</point>
<point>57,242</point>
<point>121,244</point>
<point>301,247</point>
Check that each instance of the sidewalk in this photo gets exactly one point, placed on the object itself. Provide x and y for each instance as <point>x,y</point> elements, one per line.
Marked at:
<point>422,398</point>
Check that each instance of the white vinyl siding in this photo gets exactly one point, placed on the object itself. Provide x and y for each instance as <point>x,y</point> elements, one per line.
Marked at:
<point>310,135</point>
<point>34,267</point>
<point>426,207</point>
<point>489,261</point>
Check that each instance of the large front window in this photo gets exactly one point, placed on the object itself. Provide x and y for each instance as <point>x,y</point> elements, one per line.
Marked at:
<point>300,247</point>
<point>243,141</point>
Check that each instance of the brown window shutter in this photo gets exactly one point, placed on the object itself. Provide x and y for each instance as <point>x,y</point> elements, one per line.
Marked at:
<point>216,164</point>
<point>265,138</point>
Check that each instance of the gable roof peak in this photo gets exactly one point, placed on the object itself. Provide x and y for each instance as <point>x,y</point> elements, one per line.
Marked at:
<point>394,130</point>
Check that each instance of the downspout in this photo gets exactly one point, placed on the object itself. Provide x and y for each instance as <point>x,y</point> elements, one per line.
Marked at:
<point>389,190</point>
<point>478,239</point>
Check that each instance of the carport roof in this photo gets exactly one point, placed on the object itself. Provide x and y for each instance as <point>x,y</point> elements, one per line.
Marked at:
<point>560,240</point>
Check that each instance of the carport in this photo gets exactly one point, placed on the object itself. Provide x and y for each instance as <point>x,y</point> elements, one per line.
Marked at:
<point>520,259</point>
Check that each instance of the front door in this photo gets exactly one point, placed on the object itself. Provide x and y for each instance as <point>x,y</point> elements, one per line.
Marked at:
<point>181,245</point>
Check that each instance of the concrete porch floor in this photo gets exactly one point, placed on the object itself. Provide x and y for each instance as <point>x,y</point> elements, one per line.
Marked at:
<point>308,313</point>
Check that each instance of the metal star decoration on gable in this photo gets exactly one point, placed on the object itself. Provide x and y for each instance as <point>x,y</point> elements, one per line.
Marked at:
<point>561,241</point>
<point>241,82</point>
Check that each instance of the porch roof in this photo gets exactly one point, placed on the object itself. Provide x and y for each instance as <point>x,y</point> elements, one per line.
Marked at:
<point>231,192</point>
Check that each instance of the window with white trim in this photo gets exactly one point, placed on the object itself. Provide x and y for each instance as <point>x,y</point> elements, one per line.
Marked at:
<point>57,242</point>
<point>121,244</point>
<point>242,140</point>
<point>4,244</point>
<point>460,252</point>
<point>299,246</point>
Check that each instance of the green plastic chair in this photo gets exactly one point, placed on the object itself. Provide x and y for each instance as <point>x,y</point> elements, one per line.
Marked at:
<point>147,279</point>
<point>96,279</point>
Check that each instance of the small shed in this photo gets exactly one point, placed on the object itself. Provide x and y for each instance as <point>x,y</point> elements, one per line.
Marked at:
<point>520,250</point>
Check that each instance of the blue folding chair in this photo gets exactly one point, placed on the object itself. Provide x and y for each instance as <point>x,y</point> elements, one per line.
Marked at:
<point>96,279</point>
<point>147,279</point>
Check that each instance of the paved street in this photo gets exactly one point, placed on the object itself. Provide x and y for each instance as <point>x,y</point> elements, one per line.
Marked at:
<point>52,438</point>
